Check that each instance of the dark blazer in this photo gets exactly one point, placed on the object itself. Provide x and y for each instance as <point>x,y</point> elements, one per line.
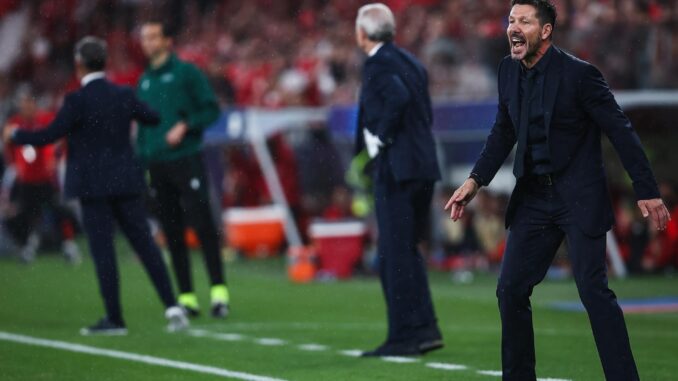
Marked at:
<point>578,106</point>
<point>395,105</point>
<point>96,121</point>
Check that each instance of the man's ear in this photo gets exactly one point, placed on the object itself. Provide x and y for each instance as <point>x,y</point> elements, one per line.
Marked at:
<point>546,31</point>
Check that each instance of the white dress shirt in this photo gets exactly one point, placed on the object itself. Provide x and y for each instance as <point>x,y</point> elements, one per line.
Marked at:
<point>92,77</point>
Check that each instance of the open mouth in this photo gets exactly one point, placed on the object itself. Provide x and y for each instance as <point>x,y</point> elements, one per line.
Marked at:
<point>517,41</point>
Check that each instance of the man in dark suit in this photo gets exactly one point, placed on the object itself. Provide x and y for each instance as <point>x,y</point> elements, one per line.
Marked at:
<point>105,175</point>
<point>554,107</point>
<point>395,127</point>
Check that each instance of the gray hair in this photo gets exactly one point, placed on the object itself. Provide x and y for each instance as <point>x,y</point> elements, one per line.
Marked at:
<point>377,21</point>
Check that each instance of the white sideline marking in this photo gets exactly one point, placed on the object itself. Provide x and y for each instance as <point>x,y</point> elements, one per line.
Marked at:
<point>352,352</point>
<point>150,360</point>
<point>270,342</point>
<point>399,359</point>
<point>313,347</point>
<point>496,373</point>
<point>444,366</point>
<point>214,335</point>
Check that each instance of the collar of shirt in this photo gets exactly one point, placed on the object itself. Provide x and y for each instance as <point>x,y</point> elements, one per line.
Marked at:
<point>92,77</point>
<point>165,66</point>
<point>543,63</point>
<point>375,49</point>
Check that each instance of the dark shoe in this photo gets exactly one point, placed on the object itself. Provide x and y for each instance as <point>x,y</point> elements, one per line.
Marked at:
<point>388,350</point>
<point>220,310</point>
<point>430,345</point>
<point>405,349</point>
<point>105,327</point>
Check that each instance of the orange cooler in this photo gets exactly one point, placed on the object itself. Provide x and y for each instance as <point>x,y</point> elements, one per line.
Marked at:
<point>339,245</point>
<point>258,231</point>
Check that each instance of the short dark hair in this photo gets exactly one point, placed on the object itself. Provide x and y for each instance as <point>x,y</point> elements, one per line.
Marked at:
<point>91,53</point>
<point>167,29</point>
<point>546,11</point>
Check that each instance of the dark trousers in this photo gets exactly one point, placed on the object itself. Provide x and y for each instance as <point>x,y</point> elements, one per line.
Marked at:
<point>541,222</point>
<point>403,211</point>
<point>180,188</point>
<point>98,216</point>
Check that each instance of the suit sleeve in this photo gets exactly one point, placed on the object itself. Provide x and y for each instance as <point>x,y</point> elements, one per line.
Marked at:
<point>427,98</point>
<point>602,108</point>
<point>141,112</point>
<point>395,97</point>
<point>62,124</point>
<point>498,145</point>
<point>359,140</point>
<point>207,108</point>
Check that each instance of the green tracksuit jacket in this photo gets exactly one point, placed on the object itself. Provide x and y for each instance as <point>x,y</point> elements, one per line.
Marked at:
<point>177,91</point>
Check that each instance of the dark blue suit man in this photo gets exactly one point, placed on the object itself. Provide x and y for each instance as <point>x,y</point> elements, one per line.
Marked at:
<point>395,126</point>
<point>555,107</point>
<point>104,174</point>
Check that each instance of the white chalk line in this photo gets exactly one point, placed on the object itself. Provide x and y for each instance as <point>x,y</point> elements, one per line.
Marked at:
<point>351,352</point>
<point>357,326</point>
<point>498,373</point>
<point>134,357</point>
<point>494,373</point>
<point>272,342</point>
<point>313,347</point>
<point>446,366</point>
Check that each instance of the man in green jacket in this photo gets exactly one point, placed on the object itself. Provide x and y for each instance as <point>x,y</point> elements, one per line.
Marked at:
<point>180,93</point>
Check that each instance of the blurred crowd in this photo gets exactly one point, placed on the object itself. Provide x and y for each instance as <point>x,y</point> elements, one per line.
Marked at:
<point>478,241</point>
<point>278,53</point>
<point>275,53</point>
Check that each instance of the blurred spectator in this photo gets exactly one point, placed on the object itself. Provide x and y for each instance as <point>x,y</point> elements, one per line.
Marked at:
<point>35,187</point>
<point>488,222</point>
<point>302,52</point>
<point>340,204</point>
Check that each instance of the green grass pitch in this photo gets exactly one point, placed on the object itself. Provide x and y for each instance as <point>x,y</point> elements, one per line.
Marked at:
<point>50,300</point>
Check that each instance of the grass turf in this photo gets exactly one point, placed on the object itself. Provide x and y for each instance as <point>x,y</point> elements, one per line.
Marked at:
<point>51,300</point>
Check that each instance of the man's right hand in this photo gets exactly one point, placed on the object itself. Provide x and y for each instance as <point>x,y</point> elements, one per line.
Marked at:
<point>176,134</point>
<point>461,198</point>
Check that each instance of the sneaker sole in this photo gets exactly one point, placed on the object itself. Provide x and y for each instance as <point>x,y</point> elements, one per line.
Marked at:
<point>108,332</point>
<point>177,324</point>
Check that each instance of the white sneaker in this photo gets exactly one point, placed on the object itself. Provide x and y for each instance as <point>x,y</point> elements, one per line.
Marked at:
<point>177,319</point>
<point>71,252</point>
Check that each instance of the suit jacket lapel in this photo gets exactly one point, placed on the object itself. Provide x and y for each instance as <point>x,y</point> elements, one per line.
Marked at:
<point>551,84</point>
<point>514,94</point>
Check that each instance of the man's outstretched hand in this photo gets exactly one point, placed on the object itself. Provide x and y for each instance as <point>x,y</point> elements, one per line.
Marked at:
<point>656,211</point>
<point>461,197</point>
<point>8,132</point>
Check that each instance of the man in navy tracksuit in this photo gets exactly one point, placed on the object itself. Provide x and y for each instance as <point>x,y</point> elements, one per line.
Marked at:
<point>105,175</point>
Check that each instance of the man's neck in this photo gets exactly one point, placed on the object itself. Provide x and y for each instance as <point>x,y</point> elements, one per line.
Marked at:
<point>160,60</point>
<point>531,61</point>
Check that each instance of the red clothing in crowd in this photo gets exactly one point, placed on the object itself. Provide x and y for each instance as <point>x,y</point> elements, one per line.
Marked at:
<point>669,252</point>
<point>34,165</point>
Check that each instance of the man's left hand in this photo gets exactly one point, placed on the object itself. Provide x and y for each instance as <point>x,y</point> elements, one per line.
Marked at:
<point>176,135</point>
<point>8,132</point>
<point>656,210</point>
